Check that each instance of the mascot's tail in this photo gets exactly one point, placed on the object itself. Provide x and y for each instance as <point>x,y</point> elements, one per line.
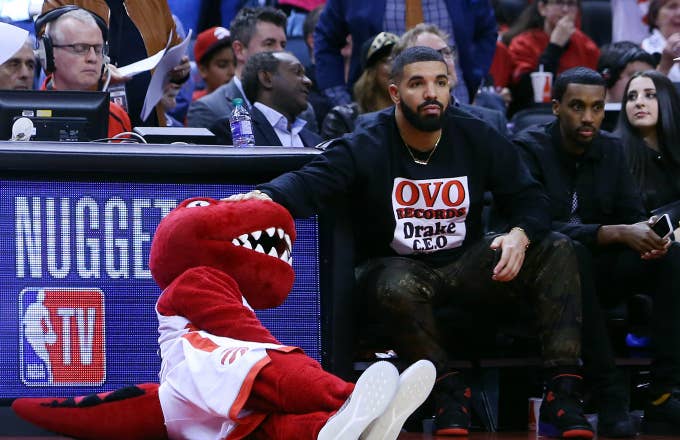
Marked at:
<point>131,413</point>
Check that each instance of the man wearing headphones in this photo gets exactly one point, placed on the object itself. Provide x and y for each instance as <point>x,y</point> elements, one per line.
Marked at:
<point>72,51</point>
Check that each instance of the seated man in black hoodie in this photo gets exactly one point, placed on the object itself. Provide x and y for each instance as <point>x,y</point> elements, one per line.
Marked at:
<point>415,176</point>
<point>276,84</point>
<point>594,200</point>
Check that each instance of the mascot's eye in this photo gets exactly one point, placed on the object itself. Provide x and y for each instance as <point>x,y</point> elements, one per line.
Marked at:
<point>197,203</point>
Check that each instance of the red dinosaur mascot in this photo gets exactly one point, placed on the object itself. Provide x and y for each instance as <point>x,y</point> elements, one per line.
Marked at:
<point>223,375</point>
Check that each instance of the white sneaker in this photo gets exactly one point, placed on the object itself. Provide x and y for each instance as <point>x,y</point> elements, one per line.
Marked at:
<point>372,393</point>
<point>415,384</point>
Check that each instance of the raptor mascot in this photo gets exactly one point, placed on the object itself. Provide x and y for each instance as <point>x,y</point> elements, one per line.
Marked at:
<point>223,375</point>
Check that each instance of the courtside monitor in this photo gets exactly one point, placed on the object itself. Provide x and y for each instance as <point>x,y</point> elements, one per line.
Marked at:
<point>72,116</point>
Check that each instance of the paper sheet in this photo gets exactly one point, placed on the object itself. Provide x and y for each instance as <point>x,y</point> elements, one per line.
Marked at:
<point>11,40</point>
<point>170,59</point>
<point>142,65</point>
<point>147,63</point>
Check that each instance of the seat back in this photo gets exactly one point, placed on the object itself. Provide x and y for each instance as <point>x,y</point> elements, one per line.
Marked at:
<point>596,20</point>
<point>531,116</point>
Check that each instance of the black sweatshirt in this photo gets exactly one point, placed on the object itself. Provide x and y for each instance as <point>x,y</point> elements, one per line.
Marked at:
<point>399,207</point>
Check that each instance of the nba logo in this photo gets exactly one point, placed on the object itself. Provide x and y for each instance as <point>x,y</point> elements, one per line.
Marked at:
<point>62,337</point>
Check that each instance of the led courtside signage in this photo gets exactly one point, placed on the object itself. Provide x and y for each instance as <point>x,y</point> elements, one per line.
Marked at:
<point>76,294</point>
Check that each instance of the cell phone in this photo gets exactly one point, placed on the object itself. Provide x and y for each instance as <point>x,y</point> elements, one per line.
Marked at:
<point>663,227</point>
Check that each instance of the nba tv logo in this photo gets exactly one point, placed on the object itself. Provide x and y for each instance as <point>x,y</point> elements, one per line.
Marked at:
<point>62,339</point>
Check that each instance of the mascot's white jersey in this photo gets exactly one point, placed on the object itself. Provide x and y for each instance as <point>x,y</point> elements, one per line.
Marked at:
<point>206,379</point>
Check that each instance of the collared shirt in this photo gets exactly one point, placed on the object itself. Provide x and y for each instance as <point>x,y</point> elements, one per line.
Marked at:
<point>435,12</point>
<point>607,193</point>
<point>288,138</point>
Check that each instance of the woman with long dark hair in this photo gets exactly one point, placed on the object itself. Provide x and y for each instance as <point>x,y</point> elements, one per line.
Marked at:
<point>650,132</point>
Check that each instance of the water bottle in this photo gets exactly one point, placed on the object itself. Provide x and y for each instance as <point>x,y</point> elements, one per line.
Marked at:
<point>241,125</point>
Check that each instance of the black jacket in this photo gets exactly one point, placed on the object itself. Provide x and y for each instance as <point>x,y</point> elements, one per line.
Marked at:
<point>368,165</point>
<point>265,135</point>
<point>606,191</point>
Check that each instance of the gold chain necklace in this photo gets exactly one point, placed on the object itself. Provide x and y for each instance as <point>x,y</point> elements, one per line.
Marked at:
<point>429,156</point>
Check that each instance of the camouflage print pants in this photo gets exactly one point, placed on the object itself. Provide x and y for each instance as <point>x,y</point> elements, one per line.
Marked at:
<point>406,293</point>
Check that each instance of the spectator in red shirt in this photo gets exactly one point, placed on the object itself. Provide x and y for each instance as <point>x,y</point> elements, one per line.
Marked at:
<point>547,34</point>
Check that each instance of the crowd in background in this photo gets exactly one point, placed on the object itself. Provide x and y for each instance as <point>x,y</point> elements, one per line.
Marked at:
<point>345,48</point>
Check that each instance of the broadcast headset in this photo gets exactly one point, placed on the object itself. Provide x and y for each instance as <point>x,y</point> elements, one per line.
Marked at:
<point>45,47</point>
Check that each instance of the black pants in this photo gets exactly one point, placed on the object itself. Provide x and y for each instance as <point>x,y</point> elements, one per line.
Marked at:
<point>405,293</point>
<point>599,368</point>
<point>620,273</point>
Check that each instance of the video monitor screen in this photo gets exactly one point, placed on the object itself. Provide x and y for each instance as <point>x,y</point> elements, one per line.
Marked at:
<point>74,116</point>
<point>77,311</point>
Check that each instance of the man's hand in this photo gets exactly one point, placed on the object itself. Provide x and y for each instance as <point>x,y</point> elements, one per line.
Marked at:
<point>180,73</point>
<point>670,51</point>
<point>563,30</point>
<point>641,238</point>
<point>512,247</point>
<point>116,76</point>
<point>255,194</point>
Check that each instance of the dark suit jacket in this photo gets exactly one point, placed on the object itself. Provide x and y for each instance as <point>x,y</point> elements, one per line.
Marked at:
<point>264,133</point>
<point>217,105</point>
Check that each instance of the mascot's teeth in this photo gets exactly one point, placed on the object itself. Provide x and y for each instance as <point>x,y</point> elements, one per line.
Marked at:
<point>253,238</point>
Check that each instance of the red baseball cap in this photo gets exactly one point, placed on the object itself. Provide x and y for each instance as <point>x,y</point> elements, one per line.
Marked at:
<point>210,40</point>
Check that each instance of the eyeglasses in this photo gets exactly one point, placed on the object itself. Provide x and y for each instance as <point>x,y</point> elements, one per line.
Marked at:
<point>447,52</point>
<point>82,48</point>
<point>568,3</point>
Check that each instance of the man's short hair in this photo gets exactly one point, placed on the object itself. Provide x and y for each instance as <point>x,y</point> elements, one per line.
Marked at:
<point>412,55</point>
<point>576,75</point>
<point>81,15</point>
<point>259,62</point>
<point>408,38</point>
<point>243,26</point>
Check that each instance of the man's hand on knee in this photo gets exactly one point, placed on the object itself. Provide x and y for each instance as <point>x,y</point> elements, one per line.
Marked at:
<point>512,247</point>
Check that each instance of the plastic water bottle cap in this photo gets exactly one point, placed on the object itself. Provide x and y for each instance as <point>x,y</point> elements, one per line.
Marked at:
<point>237,101</point>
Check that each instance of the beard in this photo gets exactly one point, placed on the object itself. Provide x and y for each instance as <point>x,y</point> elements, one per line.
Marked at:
<point>423,123</point>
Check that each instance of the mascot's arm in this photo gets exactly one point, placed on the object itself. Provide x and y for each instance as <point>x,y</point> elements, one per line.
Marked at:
<point>211,300</point>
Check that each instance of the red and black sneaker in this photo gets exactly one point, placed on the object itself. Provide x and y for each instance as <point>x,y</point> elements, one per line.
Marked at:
<point>561,413</point>
<point>452,405</point>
